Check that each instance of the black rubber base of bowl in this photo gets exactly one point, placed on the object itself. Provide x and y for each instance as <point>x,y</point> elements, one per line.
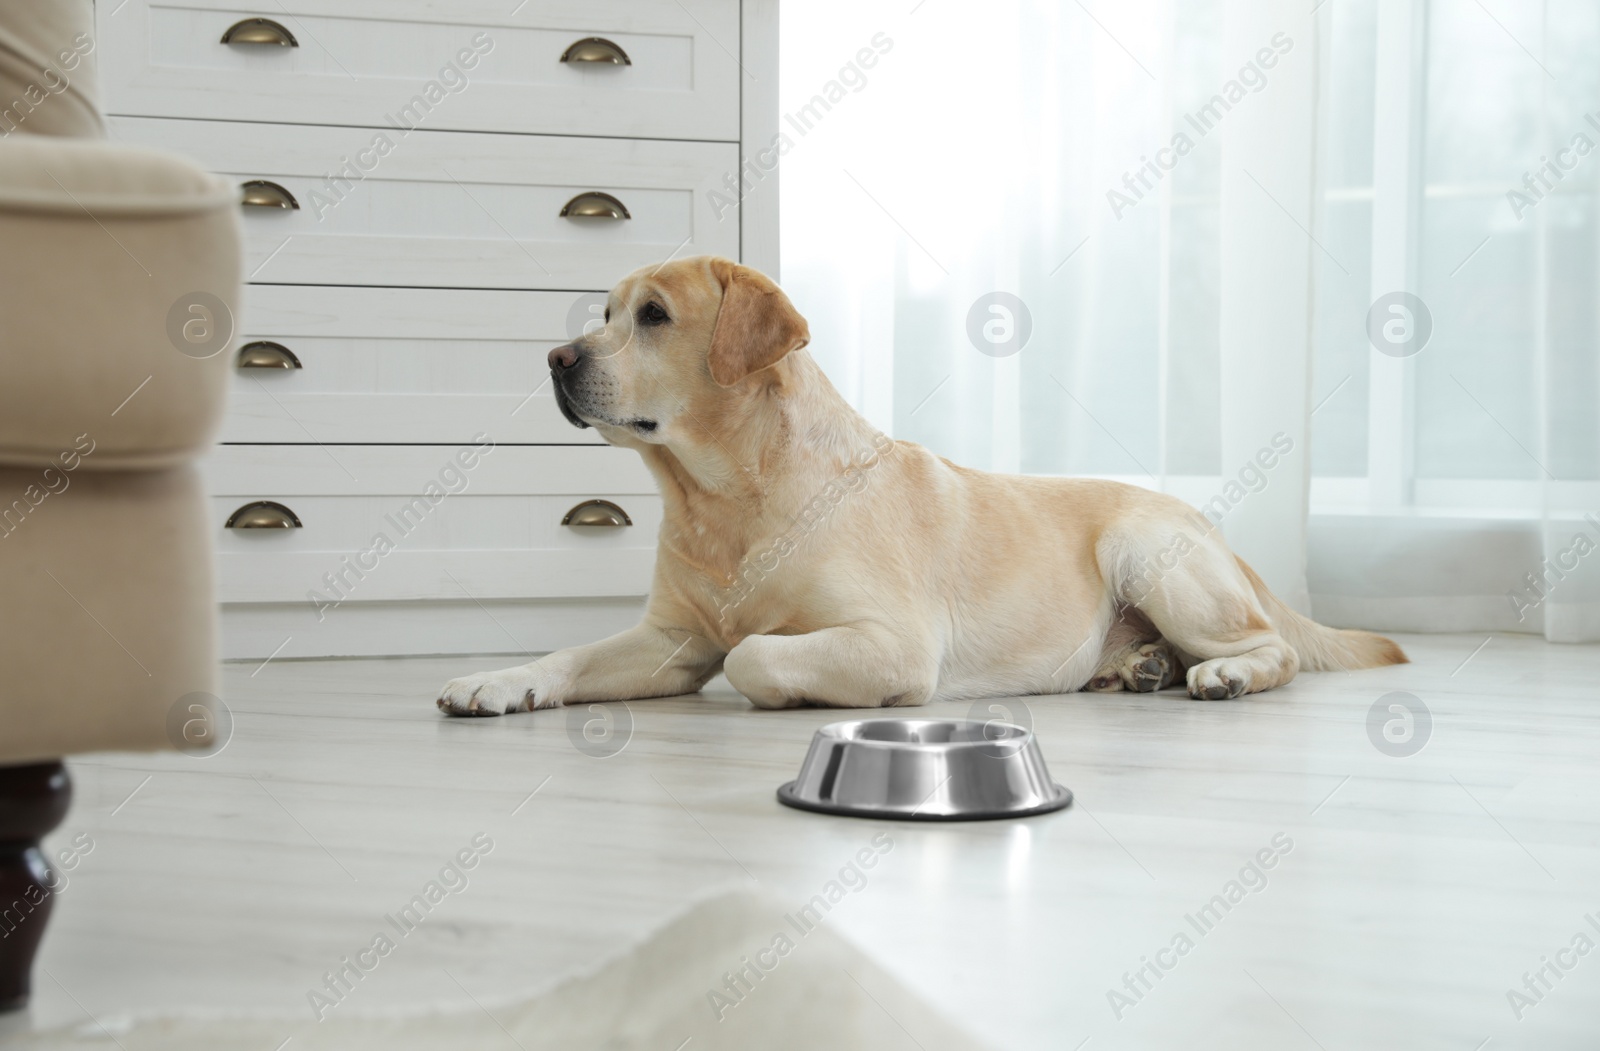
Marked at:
<point>787,797</point>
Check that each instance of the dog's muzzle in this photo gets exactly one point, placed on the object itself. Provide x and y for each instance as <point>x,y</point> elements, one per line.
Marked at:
<point>565,362</point>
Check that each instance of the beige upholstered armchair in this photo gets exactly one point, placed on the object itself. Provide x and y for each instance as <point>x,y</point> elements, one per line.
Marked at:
<point>119,275</point>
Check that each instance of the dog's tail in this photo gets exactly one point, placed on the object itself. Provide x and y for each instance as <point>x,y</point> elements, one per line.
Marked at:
<point>1322,648</point>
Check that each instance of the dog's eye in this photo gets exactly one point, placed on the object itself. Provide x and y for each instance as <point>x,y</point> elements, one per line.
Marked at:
<point>652,314</point>
<point>608,315</point>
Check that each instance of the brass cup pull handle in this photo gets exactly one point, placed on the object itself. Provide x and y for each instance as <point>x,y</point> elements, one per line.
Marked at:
<point>597,513</point>
<point>259,193</point>
<point>596,49</point>
<point>265,354</point>
<point>259,31</point>
<point>264,514</point>
<point>592,204</point>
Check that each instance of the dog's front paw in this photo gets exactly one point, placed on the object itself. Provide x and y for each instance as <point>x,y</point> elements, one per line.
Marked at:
<point>751,675</point>
<point>493,692</point>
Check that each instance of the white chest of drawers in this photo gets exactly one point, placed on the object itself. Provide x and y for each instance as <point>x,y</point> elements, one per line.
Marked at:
<point>435,193</point>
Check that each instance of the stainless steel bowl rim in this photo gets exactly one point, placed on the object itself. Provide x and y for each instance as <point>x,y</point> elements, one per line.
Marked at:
<point>836,731</point>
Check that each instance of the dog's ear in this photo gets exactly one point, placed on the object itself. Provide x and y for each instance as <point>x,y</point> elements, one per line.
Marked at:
<point>756,326</point>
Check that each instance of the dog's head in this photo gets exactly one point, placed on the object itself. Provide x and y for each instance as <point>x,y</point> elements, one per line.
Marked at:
<point>681,342</point>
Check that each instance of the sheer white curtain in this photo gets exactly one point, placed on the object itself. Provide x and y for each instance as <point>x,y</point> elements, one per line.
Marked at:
<point>1197,205</point>
<point>1451,484</point>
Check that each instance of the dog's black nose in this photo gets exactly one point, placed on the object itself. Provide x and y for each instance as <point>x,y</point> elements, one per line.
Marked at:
<point>563,357</point>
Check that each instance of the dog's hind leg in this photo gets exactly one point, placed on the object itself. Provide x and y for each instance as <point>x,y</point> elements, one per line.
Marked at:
<point>1192,590</point>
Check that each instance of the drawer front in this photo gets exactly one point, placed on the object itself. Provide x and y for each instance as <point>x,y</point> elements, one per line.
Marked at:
<point>467,65</point>
<point>445,210</point>
<point>429,522</point>
<point>403,366</point>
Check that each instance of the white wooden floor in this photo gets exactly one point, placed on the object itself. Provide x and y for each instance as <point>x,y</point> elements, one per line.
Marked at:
<point>1417,892</point>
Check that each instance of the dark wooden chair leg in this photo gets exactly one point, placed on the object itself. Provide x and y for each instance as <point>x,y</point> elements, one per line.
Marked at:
<point>33,800</point>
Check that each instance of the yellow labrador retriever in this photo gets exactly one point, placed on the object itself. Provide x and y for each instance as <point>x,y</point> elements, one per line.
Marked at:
<point>816,561</point>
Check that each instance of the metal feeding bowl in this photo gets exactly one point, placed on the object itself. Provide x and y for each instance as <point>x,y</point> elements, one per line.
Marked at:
<point>925,770</point>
